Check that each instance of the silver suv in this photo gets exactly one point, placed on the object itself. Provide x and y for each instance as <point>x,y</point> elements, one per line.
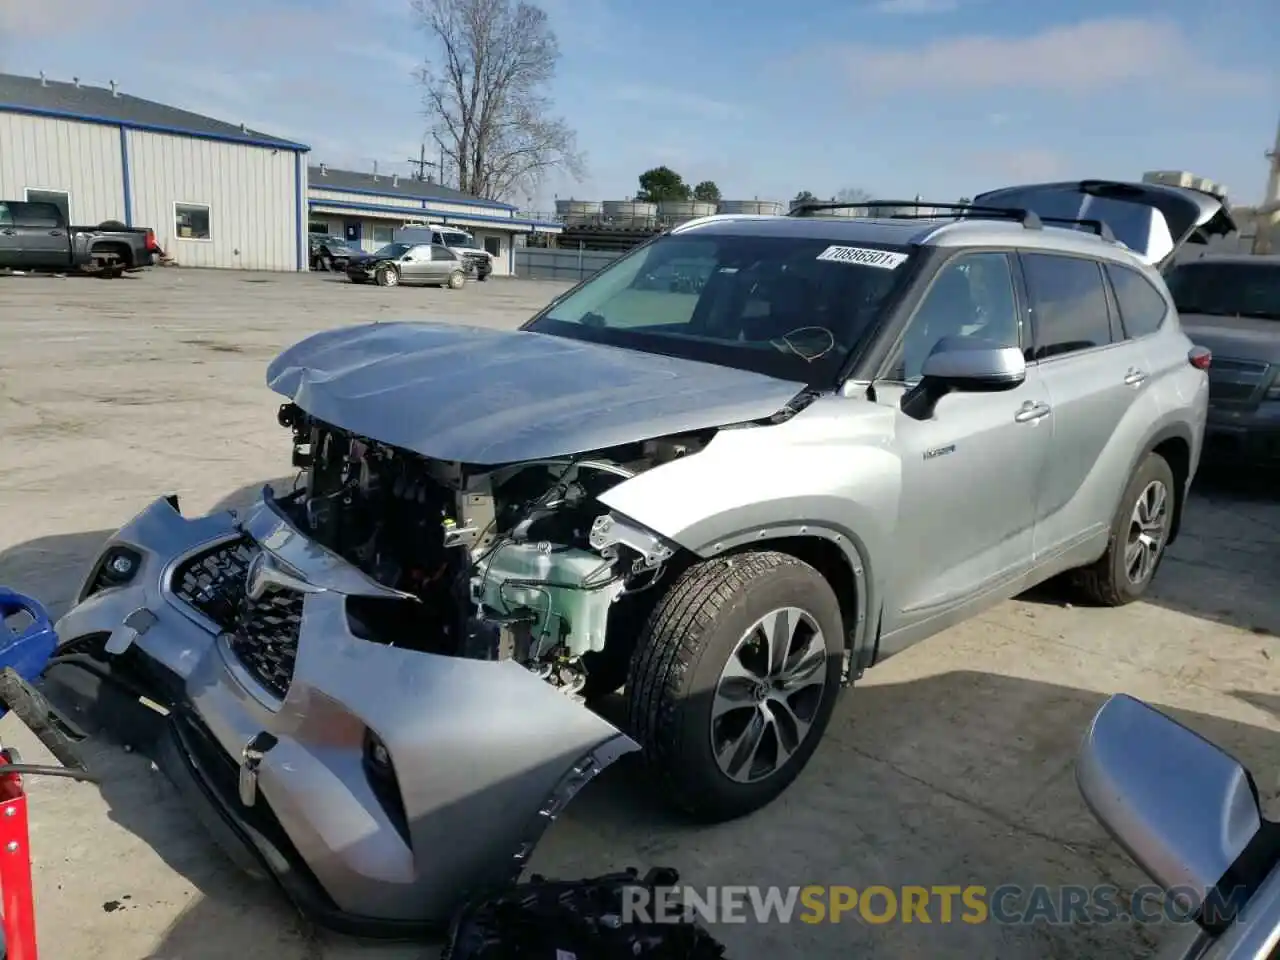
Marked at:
<point>745,462</point>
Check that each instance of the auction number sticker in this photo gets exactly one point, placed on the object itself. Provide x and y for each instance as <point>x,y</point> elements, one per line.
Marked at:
<point>863,256</point>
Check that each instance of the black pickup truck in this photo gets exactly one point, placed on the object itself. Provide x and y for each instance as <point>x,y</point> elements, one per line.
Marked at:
<point>35,236</point>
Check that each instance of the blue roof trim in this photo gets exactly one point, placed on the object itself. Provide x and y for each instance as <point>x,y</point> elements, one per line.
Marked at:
<point>409,196</point>
<point>245,141</point>
<point>435,214</point>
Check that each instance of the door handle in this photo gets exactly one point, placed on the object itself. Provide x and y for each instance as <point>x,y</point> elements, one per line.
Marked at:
<point>55,233</point>
<point>10,233</point>
<point>1031,412</point>
<point>1135,377</point>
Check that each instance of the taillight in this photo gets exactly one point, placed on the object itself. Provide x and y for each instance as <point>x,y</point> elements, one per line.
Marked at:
<point>1200,357</point>
<point>151,240</point>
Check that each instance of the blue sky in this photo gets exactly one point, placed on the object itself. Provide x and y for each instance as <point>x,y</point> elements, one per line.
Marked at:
<point>938,97</point>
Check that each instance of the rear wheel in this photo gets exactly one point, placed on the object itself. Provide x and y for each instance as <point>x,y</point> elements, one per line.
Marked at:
<point>387,276</point>
<point>734,679</point>
<point>457,280</point>
<point>1139,535</point>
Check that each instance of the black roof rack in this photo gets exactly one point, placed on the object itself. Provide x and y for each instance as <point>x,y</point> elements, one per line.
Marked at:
<point>1028,218</point>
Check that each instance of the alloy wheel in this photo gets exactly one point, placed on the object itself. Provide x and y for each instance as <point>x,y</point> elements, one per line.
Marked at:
<point>768,695</point>
<point>1148,527</point>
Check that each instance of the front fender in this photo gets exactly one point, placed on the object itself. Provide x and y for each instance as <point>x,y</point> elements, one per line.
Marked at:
<point>817,475</point>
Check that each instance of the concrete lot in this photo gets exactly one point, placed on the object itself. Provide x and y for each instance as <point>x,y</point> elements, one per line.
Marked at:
<point>951,764</point>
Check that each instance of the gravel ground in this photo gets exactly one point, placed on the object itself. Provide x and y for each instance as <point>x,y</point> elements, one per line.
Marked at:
<point>950,764</point>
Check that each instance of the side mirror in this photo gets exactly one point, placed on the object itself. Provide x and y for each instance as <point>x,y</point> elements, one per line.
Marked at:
<point>1183,809</point>
<point>964,364</point>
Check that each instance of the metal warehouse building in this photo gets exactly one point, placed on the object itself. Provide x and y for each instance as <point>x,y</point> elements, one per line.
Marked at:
<point>366,208</point>
<point>216,194</point>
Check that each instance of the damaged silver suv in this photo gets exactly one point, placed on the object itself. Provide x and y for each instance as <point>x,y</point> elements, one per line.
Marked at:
<point>744,462</point>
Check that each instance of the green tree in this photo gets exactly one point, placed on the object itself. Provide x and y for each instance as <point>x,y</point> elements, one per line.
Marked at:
<point>853,195</point>
<point>804,196</point>
<point>707,192</point>
<point>662,183</point>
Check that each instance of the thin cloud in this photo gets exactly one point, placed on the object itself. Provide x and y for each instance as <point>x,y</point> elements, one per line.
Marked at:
<point>1022,165</point>
<point>913,8</point>
<point>1088,57</point>
<point>665,99</point>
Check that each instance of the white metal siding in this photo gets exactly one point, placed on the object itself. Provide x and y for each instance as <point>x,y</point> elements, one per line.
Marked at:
<point>251,193</point>
<point>82,159</point>
<point>318,193</point>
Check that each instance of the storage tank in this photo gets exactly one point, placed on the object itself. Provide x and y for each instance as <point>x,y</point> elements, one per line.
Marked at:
<point>576,212</point>
<point>679,211</point>
<point>761,208</point>
<point>630,213</point>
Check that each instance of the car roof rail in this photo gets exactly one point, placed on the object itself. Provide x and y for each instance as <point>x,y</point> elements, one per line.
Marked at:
<point>1097,226</point>
<point>1028,218</point>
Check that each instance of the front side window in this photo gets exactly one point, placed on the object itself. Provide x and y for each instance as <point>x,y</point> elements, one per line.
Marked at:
<point>460,240</point>
<point>790,307</point>
<point>1068,304</point>
<point>972,296</point>
<point>1142,307</point>
<point>392,251</point>
<point>1227,289</point>
<point>191,221</point>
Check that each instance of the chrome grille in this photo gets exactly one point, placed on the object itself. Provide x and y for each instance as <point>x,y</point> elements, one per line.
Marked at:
<point>263,633</point>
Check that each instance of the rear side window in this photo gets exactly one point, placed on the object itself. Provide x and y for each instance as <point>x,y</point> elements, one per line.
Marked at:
<point>36,214</point>
<point>1068,304</point>
<point>6,218</point>
<point>1142,308</point>
<point>441,253</point>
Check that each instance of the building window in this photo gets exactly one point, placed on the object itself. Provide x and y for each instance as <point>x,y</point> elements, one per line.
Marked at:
<point>59,198</point>
<point>383,233</point>
<point>191,221</point>
<point>493,245</point>
<point>318,226</point>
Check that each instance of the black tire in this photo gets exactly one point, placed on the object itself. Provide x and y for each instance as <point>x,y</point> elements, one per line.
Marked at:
<point>1107,582</point>
<point>677,664</point>
<point>387,276</point>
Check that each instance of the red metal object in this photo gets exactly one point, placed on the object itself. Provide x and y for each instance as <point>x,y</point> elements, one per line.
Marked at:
<point>15,867</point>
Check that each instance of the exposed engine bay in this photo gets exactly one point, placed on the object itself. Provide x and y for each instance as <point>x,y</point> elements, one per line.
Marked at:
<point>517,561</point>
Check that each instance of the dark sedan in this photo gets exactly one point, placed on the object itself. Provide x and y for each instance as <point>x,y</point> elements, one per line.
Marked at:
<point>1231,305</point>
<point>330,253</point>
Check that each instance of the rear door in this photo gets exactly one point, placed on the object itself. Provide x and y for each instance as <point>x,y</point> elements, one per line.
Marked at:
<point>443,262</point>
<point>42,236</point>
<point>1097,384</point>
<point>1153,220</point>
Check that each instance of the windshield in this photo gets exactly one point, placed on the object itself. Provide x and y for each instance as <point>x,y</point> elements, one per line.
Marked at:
<point>791,308</point>
<point>1228,289</point>
<point>459,240</point>
<point>392,250</point>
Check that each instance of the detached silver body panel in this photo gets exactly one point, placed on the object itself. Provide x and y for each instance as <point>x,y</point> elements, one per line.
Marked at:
<point>486,753</point>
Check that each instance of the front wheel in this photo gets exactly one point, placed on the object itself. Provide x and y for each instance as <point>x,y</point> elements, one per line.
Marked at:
<point>1139,535</point>
<point>387,276</point>
<point>734,679</point>
<point>457,280</point>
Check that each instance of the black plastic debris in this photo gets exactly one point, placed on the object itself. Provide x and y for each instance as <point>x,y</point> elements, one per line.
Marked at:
<point>579,920</point>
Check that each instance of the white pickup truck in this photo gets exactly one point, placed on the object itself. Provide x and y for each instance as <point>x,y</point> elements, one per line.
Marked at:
<point>473,256</point>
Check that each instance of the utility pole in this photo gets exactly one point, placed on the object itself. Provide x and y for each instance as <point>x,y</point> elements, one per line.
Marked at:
<point>421,163</point>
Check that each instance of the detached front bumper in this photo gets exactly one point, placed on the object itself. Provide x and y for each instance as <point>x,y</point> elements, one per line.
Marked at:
<point>476,758</point>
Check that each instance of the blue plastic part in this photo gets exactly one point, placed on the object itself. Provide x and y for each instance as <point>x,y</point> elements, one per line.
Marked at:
<point>27,652</point>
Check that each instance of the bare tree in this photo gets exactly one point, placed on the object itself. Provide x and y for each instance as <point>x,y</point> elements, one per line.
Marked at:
<point>853,195</point>
<point>486,94</point>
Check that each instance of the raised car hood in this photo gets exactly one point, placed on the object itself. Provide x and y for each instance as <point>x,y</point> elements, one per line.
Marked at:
<point>1153,220</point>
<point>484,396</point>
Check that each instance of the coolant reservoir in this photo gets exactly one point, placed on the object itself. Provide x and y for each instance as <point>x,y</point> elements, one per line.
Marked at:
<point>569,589</point>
